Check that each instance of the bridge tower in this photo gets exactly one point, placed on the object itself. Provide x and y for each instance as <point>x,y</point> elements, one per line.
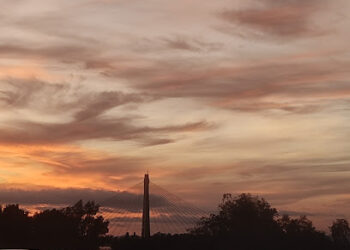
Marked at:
<point>146,231</point>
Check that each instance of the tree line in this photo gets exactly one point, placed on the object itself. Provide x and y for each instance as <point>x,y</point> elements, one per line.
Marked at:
<point>76,227</point>
<point>244,222</point>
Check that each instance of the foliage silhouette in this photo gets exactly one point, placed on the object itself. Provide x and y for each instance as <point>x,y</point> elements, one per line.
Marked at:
<point>299,233</point>
<point>75,227</point>
<point>15,227</point>
<point>240,220</point>
<point>244,222</point>
<point>341,234</point>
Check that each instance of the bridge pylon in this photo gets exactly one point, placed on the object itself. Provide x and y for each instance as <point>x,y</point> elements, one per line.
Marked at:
<point>146,229</point>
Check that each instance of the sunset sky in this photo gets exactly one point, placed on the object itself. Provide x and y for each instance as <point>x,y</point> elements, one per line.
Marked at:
<point>209,96</point>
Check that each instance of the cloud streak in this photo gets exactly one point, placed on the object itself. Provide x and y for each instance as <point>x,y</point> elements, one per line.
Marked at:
<point>87,122</point>
<point>122,200</point>
<point>113,129</point>
<point>283,19</point>
<point>236,88</point>
<point>236,96</point>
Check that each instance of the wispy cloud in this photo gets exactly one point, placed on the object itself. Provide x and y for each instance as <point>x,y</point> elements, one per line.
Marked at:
<point>98,128</point>
<point>236,87</point>
<point>283,19</point>
<point>236,96</point>
<point>188,44</point>
<point>121,200</point>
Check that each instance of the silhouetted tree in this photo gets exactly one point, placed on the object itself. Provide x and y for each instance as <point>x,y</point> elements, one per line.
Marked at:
<point>15,227</point>
<point>53,229</point>
<point>249,222</point>
<point>245,221</point>
<point>75,227</point>
<point>299,233</point>
<point>341,233</point>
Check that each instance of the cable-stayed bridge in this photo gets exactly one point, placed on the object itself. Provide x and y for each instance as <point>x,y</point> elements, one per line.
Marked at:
<point>146,209</point>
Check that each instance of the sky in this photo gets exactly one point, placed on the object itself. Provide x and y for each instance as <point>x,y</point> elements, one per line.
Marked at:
<point>210,97</point>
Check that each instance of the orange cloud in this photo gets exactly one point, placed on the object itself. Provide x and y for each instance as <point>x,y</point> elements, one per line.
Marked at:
<point>28,70</point>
